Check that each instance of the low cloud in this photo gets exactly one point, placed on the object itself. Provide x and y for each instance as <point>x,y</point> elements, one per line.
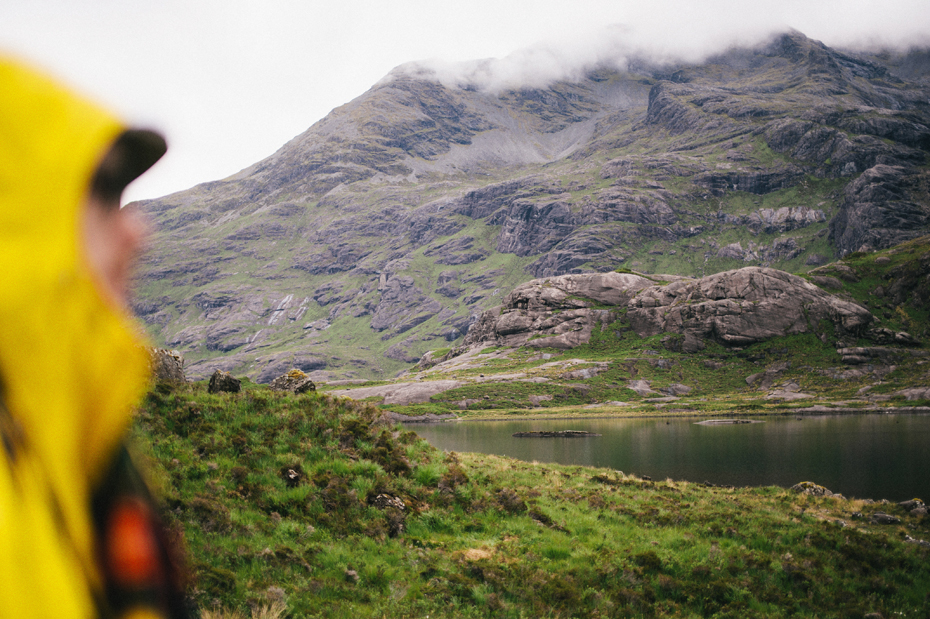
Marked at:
<point>655,41</point>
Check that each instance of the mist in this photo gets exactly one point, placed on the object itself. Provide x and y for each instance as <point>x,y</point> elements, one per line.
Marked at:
<point>230,81</point>
<point>688,35</point>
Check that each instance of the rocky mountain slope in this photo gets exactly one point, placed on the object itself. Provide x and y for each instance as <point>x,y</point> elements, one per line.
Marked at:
<point>387,228</point>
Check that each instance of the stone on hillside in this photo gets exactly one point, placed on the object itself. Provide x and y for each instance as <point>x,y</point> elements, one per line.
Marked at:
<point>280,363</point>
<point>809,487</point>
<point>585,373</point>
<point>167,365</point>
<point>882,518</point>
<point>677,389</point>
<point>788,395</point>
<point>905,338</point>
<point>641,387</point>
<point>294,381</point>
<point>765,380</point>
<point>223,382</point>
<point>911,505</point>
<point>736,308</point>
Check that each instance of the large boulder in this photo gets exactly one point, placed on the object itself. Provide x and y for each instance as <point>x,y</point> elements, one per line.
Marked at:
<point>167,365</point>
<point>223,382</point>
<point>735,308</point>
<point>741,307</point>
<point>294,381</point>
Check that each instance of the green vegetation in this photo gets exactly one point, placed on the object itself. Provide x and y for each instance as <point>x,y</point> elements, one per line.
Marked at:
<point>318,505</point>
<point>717,376</point>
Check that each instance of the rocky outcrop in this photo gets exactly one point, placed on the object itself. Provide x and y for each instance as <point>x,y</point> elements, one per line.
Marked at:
<point>877,354</point>
<point>757,182</point>
<point>167,365</point>
<point>294,381</point>
<point>223,382</point>
<point>780,249</point>
<point>735,308</point>
<point>740,307</point>
<point>885,206</point>
<point>809,487</point>
<point>402,306</point>
<point>277,364</point>
<point>556,312</point>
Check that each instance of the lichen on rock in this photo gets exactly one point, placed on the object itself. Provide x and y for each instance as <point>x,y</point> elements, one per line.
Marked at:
<point>294,381</point>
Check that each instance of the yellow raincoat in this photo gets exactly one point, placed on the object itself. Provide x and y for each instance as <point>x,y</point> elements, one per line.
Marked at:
<point>71,365</point>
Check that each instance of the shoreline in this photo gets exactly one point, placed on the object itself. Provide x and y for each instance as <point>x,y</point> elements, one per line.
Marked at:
<point>536,415</point>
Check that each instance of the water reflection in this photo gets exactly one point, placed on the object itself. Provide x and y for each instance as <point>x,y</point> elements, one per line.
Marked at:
<point>875,456</point>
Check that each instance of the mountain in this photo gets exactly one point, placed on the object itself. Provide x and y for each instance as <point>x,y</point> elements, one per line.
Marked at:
<point>389,226</point>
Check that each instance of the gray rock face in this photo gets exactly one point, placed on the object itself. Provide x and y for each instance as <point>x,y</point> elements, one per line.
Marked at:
<point>223,382</point>
<point>557,312</point>
<point>742,307</point>
<point>780,249</point>
<point>759,183</point>
<point>735,308</point>
<point>403,306</point>
<point>885,206</point>
<point>167,365</point>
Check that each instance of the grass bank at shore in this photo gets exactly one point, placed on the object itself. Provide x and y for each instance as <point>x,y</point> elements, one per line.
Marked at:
<point>321,507</point>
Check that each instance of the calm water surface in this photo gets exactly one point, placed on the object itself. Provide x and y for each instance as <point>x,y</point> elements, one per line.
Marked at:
<point>864,456</point>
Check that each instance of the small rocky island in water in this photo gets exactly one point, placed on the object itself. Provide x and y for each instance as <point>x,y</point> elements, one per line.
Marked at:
<point>555,434</point>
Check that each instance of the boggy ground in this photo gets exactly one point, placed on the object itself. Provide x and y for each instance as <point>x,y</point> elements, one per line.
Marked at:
<point>317,506</point>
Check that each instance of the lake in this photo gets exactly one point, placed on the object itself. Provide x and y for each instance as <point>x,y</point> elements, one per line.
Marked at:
<point>863,456</point>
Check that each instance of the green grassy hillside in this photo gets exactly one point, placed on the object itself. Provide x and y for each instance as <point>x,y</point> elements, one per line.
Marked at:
<point>320,506</point>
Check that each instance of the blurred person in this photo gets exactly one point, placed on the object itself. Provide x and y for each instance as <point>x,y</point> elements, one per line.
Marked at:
<point>79,533</point>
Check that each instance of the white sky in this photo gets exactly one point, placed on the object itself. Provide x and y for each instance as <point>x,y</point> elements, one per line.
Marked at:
<point>230,81</point>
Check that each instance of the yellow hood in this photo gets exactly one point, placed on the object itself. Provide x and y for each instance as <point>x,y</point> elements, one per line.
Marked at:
<point>71,365</point>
